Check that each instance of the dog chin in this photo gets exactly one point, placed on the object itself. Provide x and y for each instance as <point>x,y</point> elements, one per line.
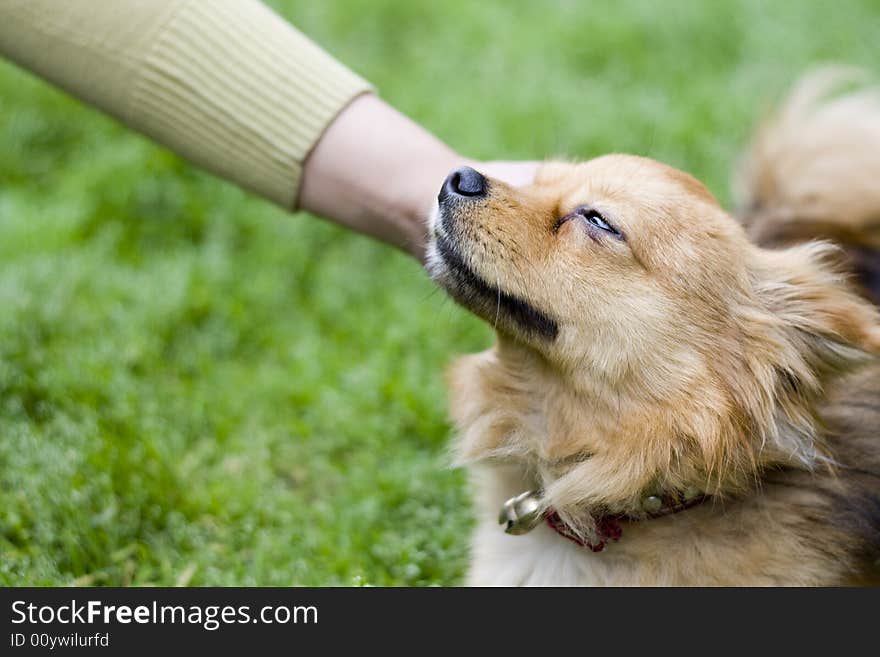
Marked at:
<point>434,216</point>
<point>448,267</point>
<point>435,265</point>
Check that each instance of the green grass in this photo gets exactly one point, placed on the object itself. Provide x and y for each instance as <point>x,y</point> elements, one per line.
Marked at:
<point>198,388</point>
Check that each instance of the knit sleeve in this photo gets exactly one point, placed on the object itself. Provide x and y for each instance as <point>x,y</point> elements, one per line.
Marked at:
<point>227,84</point>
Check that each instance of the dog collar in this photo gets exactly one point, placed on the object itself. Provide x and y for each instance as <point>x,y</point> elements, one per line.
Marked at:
<point>522,513</point>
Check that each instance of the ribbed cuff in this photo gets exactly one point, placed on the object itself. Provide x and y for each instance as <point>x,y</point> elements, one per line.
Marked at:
<point>236,89</point>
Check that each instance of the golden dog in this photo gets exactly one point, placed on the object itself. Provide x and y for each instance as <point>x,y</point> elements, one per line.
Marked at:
<point>671,402</point>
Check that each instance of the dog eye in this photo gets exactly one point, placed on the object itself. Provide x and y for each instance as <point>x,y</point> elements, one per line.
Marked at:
<point>596,219</point>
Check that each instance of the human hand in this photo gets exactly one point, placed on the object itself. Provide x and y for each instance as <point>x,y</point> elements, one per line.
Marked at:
<point>377,172</point>
<point>518,173</point>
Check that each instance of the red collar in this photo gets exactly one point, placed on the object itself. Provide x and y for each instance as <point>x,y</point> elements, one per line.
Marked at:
<point>607,529</point>
<point>522,513</point>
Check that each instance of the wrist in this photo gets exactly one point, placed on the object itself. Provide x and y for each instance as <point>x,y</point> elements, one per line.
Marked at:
<point>377,172</point>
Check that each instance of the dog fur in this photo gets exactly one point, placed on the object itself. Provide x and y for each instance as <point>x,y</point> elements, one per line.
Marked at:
<point>679,348</point>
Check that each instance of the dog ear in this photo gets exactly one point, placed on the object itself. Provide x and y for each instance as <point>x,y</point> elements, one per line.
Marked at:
<point>808,290</point>
<point>809,327</point>
<point>813,328</point>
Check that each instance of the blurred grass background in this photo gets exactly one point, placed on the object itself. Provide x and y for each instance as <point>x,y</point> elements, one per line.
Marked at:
<point>197,388</point>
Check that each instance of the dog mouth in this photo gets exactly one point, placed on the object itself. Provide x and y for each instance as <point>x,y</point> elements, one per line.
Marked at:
<point>488,301</point>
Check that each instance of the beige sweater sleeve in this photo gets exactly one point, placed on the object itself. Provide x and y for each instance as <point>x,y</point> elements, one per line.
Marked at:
<point>228,84</point>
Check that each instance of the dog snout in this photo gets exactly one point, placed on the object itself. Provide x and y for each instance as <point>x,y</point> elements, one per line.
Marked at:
<point>463,182</point>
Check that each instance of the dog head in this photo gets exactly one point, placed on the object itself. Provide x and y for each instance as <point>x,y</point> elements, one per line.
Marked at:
<point>627,280</point>
<point>603,267</point>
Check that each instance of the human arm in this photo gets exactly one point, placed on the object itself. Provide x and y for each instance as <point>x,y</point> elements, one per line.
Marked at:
<point>231,86</point>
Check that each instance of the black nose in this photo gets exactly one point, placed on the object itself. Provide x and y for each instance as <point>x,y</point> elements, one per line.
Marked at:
<point>464,182</point>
